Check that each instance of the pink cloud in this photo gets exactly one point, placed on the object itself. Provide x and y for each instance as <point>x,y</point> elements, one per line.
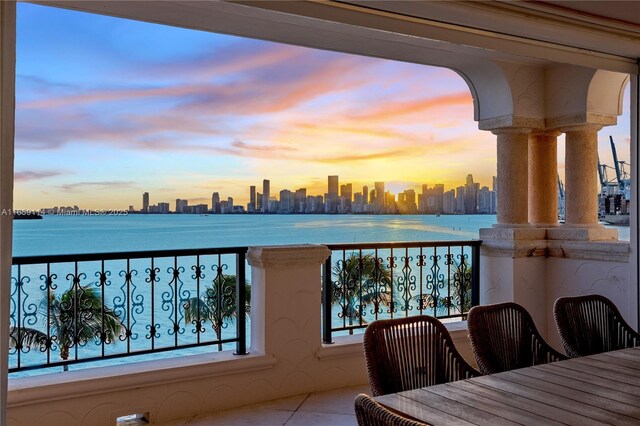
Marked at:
<point>29,175</point>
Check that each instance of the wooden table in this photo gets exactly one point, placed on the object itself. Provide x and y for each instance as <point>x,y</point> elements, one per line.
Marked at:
<point>597,389</point>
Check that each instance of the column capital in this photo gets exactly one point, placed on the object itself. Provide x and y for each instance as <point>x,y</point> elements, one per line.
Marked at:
<point>553,133</point>
<point>511,131</point>
<point>586,127</point>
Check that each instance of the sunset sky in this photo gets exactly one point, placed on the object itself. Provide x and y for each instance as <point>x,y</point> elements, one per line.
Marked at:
<point>109,108</point>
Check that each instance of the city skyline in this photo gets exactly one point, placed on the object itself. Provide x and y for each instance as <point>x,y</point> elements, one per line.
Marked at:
<point>469,198</point>
<point>178,113</point>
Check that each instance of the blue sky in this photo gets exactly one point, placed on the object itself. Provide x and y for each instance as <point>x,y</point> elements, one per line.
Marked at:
<point>109,108</point>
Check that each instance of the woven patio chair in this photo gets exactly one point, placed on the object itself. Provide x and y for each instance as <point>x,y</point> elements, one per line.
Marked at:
<point>410,353</point>
<point>592,324</point>
<point>504,337</point>
<point>370,413</point>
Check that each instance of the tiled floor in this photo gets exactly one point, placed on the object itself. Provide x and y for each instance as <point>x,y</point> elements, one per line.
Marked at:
<point>331,408</point>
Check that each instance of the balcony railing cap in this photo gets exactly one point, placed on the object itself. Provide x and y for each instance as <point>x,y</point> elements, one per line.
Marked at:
<point>287,256</point>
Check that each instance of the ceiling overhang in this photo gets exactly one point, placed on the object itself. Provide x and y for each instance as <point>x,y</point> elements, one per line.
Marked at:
<point>433,33</point>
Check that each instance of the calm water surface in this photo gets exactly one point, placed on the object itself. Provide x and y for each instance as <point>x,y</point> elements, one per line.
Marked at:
<point>94,234</point>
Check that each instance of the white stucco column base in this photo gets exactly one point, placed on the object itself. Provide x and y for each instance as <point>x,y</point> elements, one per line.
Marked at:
<point>583,233</point>
<point>535,266</point>
<point>512,268</point>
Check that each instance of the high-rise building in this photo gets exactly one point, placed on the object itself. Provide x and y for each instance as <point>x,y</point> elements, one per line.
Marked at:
<point>181,205</point>
<point>252,199</point>
<point>432,199</point>
<point>365,195</point>
<point>332,186</point>
<point>410,201</point>
<point>375,208</point>
<point>266,194</point>
<point>199,209</point>
<point>460,200</point>
<point>331,198</point>
<point>346,196</point>
<point>484,200</point>
<point>449,202</point>
<point>215,202</point>
<point>300,201</point>
<point>379,201</point>
<point>286,201</point>
<point>471,196</point>
<point>423,206</point>
<point>145,202</point>
<point>258,202</point>
<point>358,206</point>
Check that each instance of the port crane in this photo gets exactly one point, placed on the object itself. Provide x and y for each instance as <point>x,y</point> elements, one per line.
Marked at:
<point>615,193</point>
<point>623,178</point>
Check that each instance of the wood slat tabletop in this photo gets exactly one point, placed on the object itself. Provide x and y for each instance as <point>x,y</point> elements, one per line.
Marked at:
<point>593,390</point>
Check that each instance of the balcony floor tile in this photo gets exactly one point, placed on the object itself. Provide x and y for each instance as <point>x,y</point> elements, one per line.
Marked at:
<point>331,408</point>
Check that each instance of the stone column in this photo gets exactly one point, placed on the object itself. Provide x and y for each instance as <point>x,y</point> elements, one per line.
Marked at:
<point>581,180</point>
<point>512,178</point>
<point>543,178</point>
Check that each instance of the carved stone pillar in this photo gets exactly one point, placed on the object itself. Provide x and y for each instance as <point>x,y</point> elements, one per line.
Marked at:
<point>581,181</point>
<point>512,178</point>
<point>543,178</point>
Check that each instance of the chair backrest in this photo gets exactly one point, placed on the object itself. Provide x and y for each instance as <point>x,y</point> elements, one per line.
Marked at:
<point>370,413</point>
<point>410,353</point>
<point>592,324</point>
<point>504,337</point>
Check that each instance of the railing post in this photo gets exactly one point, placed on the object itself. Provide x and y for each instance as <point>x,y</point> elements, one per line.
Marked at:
<point>475,274</point>
<point>241,304</point>
<point>326,302</point>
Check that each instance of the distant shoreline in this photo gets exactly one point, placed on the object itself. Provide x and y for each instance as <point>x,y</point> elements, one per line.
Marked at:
<point>137,213</point>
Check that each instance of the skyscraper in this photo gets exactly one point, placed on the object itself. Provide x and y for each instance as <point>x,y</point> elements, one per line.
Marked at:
<point>145,202</point>
<point>252,199</point>
<point>423,199</point>
<point>379,201</point>
<point>215,202</point>
<point>286,201</point>
<point>333,186</point>
<point>471,196</point>
<point>266,194</point>
<point>460,200</point>
<point>332,195</point>
<point>346,196</point>
<point>300,201</point>
<point>365,195</point>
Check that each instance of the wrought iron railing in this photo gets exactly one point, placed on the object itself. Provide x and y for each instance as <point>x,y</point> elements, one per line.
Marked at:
<point>67,309</point>
<point>366,282</point>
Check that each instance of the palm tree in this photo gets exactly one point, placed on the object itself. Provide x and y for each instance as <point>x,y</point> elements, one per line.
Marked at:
<point>360,281</point>
<point>74,318</point>
<point>217,304</point>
